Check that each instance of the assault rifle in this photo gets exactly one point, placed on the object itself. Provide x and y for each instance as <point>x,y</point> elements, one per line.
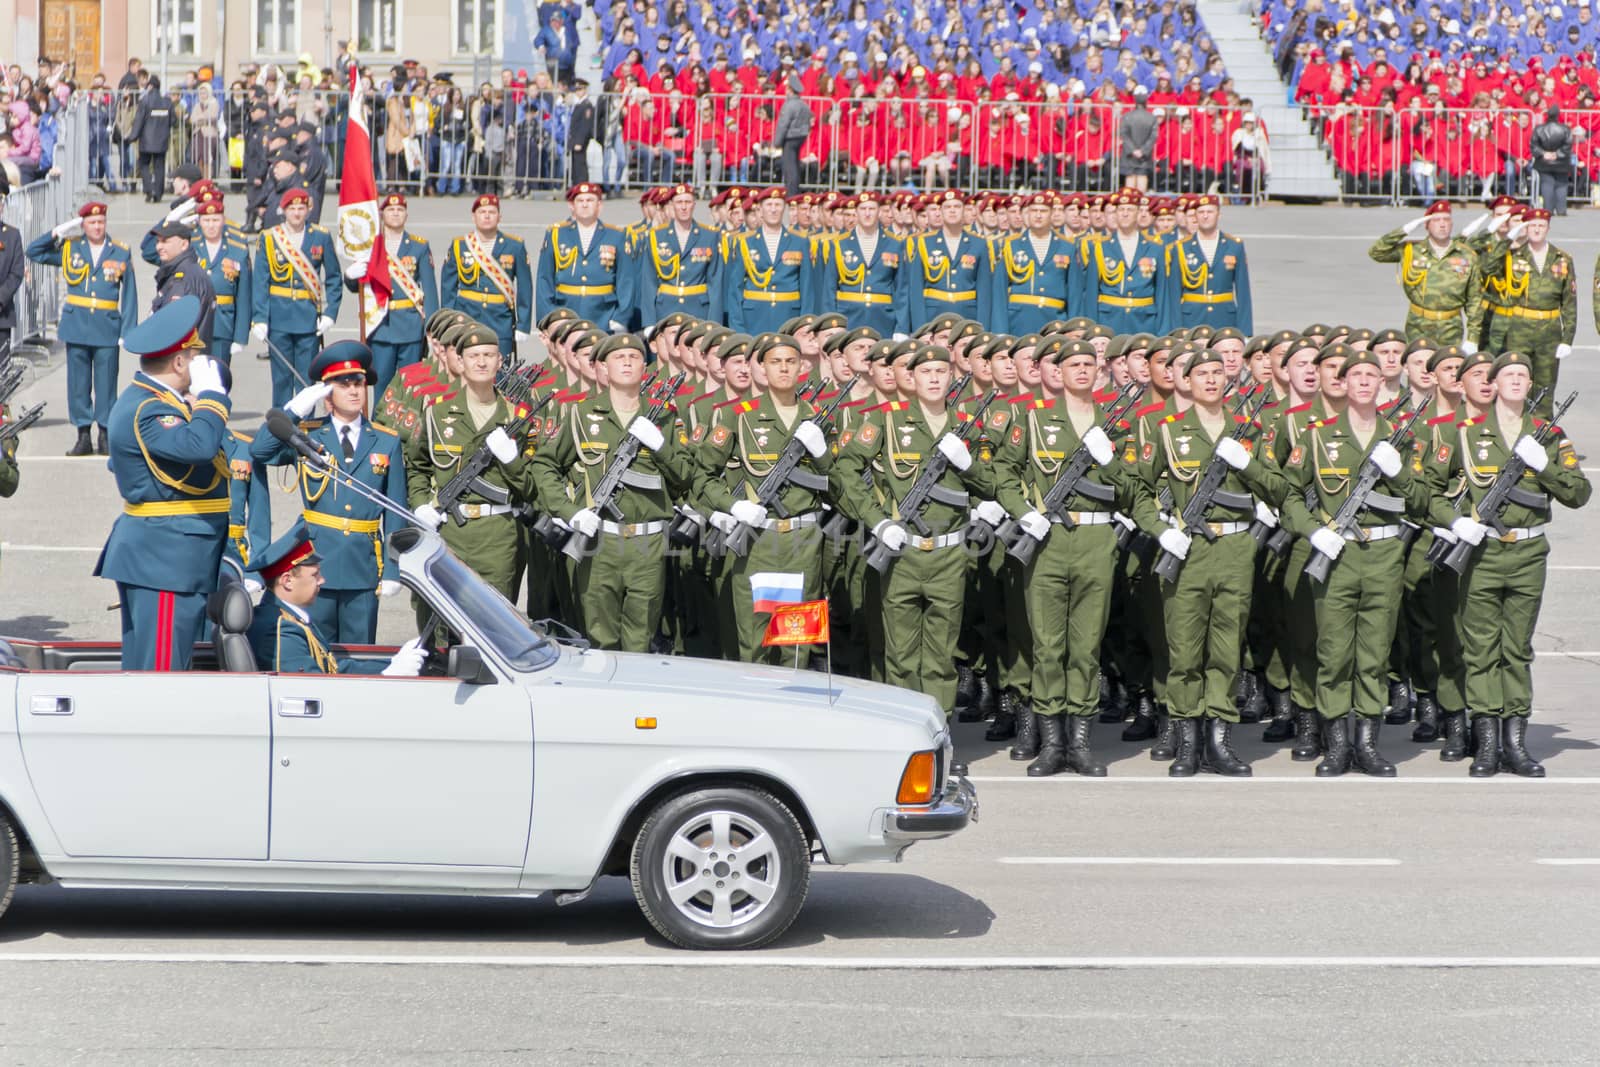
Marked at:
<point>12,428</point>
<point>1441,547</point>
<point>472,467</point>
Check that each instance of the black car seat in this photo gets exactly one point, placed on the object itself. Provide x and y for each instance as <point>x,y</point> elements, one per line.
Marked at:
<point>230,611</point>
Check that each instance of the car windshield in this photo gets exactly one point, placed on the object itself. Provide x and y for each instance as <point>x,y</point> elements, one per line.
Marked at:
<point>503,627</point>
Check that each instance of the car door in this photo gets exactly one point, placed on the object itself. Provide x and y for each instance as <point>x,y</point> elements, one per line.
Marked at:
<point>158,765</point>
<point>400,770</point>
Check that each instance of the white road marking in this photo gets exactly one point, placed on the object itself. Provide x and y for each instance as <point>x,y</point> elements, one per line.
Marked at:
<point>1199,861</point>
<point>1349,781</point>
<point>1573,567</point>
<point>7,546</point>
<point>1575,861</point>
<point>778,961</point>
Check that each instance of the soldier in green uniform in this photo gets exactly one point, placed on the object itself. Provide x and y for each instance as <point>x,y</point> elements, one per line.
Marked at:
<point>621,584</point>
<point>1413,658</point>
<point>9,474</point>
<point>1537,285</point>
<point>921,594</point>
<point>1504,580</point>
<point>1206,607</point>
<point>1439,274</point>
<point>1358,605</point>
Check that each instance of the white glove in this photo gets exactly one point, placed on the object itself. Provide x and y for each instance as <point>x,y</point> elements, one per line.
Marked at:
<point>303,403</point>
<point>1516,232</point>
<point>585,521</point>
<point>387,588</point>
<point>356,271</point>
<point>812,437</point>
<point>1563,351</point>
<point>1386,458</point>
<point>646,433</point>
<point>71,228</point>
<point>749,512</point>
<point>1123,521</point>
<point>1233,453</point>
<point>324,324</point>
<point>1176,542</point>
<point>722,521</point>
<point>1327,542</point>
<point>891,534</point>
<point>1532,453</point>
<point>253,587</point>
<point>185,209</point>
<point>1035,525</point>
<point>1415,224</point>
<point>204,377</point>
<point>691,514</point>
<point>954,449</point>
<point>501,445</point>
<point>1469,347</point>
<point>429,516</point>
<point>1099,446</point>
<point>520,335</point>
<point>1469,530</point>
<point>1445,535</point>
<point>990,512</point>
<point>259,331</point>
<point>234,349</point>
<point>1266,516</point>
<point>1477,224</point>
<point>407,663</point>
<point>617,327</point>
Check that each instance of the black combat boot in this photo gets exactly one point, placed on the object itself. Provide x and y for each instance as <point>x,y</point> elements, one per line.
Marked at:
<point>1399,711</point>
<point>1027,745</point>
<point>1454,731</point>
<point>1513,748</point>
<point>967,695</point>
<point>1281,726</point>
<point>1004,727</point>
<point>988,695</point>
<point>1368,759</point>
<point>1113,699</point>
<point>1308,730</point>
<point>102,442</point>
<point>1253,708</point>
<point>1219,755</point>
<point>83,446</point>
<point>1485,746</point>
<point>1427,718</point>
<point>1052,748</point>
<point>1165,748</point>
<point>1336,743</point>
<point>1080,757</point>
<point>1186,742</point>
<point>1144,725</point>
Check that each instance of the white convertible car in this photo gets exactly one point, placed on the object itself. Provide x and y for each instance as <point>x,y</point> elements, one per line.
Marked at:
<point>519,764</point>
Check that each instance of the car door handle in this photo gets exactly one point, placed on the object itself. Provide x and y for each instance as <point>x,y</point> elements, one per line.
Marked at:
<point>45,705</point>
<point>300,709</point>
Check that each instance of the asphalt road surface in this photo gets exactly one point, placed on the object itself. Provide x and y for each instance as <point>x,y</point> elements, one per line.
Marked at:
<point>1431,918</point>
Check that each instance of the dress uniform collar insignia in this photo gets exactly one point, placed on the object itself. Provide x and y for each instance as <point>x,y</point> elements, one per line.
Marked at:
<point>1298,408</point>
<point>1474,420</point>
<point>1020,398</point>
<point>1105,396</point>
<point>1317,424</point>
<point>1442,420</point>
<point>1150,409</point>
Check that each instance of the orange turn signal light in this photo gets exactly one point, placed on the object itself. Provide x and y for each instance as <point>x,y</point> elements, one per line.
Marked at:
<point>645,723</point>
<point>916,781</point>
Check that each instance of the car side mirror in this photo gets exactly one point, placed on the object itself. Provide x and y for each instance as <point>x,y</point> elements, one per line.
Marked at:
<point>465,664</point>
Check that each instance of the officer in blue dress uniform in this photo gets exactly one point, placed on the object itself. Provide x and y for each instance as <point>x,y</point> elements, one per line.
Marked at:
<point>168,459</point>
<point>249,501</point>
<point>680,265</point>
<point>485,275</point>
<point>102,306</point>
<point>226,259</point>
<point>1128,291</point>
<point>1035,279</point>
<point>948,269</point>
<point>297,288</point>
<point>769,270</point>
<point>862,274</point>
<point>1212,276</point>
<point>348,530</point>
<point>585,265</point>
<point>396,340</point>
<point>283,632</point>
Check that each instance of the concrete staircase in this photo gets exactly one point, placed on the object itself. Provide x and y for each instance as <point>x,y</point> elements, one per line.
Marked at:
<point>1300,165</point>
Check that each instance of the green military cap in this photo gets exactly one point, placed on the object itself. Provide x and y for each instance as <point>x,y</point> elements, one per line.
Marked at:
<point>1099,330</point>
<point>1000,345</point>
<point>1255,344</point>
<point>556,316</point>
<point>1057,326</point>
<point>1358,335</point>
<point>1064,349</point>
<point>1423,343</point>
<point>1180,334</point>
<point>979,348</point>
<point>1338,333</point>
<point>1027,340</point>
<point>733,346</point>
<point>677,319</point>
<point>1117,348</point>
<point>1282,337</point>
<point>1388,337</point>
<point>622,342</point>
<point>1334,350</point>
<point>562,328</point>
<point>831,321</point>
<point>883,352</point>
<point>451,338</point>
<point>1297,343</point>
<point>450,325</point>
<point>1509,359</point>
<point>1442,354</point>
<point>712,339</point>
<point>439,320</point>
<point>476,335</point>
<point>945,321</point>
<point>930,354</point>
<point>1227,333</point>
<point>1200,333</point>
<point>1078,322</point>
<point>589,338</point>
<point>694,332</point>
<point>1202,355</point>
<point>796,324</point>
<point>1161,342</point>
<point>1316,329</point>
<point>1479,358</point>
<point>964,329</point>
<point>1050,345</point>
<point>839,341</point>
<point>771,342</point>
<point>1358,359</point>
<point>908,347</point>
<point>1139,342</point>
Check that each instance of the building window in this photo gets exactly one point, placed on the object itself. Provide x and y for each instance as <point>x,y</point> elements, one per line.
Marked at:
<point>477,27</point>
<point>377,26</point>
<point>277,26</point>
<point>179,22</point>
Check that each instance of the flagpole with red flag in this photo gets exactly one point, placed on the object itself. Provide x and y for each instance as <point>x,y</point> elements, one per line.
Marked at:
<point>360,232</point>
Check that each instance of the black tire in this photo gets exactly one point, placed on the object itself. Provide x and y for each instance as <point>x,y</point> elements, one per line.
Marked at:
<point>781,868</point>
<point>10,862</point>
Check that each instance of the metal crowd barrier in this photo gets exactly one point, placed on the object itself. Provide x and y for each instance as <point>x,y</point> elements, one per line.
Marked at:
<point>40,206</point>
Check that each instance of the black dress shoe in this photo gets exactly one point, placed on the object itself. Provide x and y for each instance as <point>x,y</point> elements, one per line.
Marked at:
<point>82,446</point>
<point>102,441</point>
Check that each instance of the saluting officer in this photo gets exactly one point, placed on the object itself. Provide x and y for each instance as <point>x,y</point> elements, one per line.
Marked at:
<point>1213,273</point>
<point>584,265</point>
<point>348,530</point>
<point>394,333</point>
<point>485,274</point>
<point>297,291</point>
<point>768,272</point>
<point>947,269</point>
<point>1439,274</point>
<point>680,266</point>
<point>1537,308</point>
<point>102,305</point>
<point>167,458</point>
<point>861,274</point>
<point>225,258</point>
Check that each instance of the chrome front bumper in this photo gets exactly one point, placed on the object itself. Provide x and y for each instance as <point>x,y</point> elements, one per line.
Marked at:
<point>945,816</point>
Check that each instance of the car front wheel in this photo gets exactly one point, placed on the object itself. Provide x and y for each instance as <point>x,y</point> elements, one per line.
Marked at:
<point>721,868</point>
<point>10,862</point>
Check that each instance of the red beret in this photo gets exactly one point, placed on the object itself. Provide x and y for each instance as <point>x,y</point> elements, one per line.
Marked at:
<point>94,209</point>
<point>485,200</point>
<point>294,196</point>
<point>212,207</point>
<point>585,189</point>
<point>391,200</point>
<point>1438,207</point>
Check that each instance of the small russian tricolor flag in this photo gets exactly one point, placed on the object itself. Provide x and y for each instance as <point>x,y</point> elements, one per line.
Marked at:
<point>768,589</point>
